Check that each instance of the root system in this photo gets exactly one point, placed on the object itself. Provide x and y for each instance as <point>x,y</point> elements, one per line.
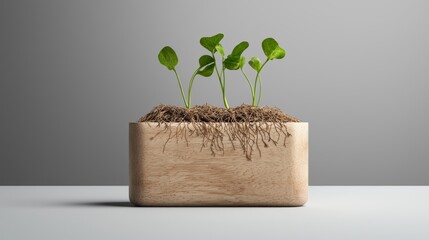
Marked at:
<point>251,127</point>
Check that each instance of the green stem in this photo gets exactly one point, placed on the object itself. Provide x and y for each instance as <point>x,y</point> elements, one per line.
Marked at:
<point>260,91</point>
<point>225,102</point>
<point>190,87</point>
<point>223,74</point>
<point>256,81</point>
<point>217,72</point>
<point>250,84</point>
<point>181,88</point>
<point>222,86</point>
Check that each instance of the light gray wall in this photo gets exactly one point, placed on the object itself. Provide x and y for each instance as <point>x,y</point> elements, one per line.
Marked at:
<point>74,73</point>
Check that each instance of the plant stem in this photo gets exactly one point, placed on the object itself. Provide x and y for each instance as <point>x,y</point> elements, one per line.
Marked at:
<point>260,90</point>
<point>223,74</point>
<point>225,102</point>
<point>190,87</point>
<point>256,81</point>
<point>250,84</point>
<point>217,72</point>
<point>181,88</point>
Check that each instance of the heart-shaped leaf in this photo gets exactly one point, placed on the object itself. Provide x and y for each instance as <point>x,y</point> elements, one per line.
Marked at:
<point>206,65</point>
<point>220,50</point>
<point>207,71</point>
<point>255,63</point>
<point>232,62</point>
<point>205,60</point>
<point>210,43</point>
<point>242,62</point>
<point>272,49</point>
<point>168,57</point>
<point>239,49</point>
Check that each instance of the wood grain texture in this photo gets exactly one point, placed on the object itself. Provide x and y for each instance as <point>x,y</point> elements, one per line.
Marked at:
<point>183,175</point>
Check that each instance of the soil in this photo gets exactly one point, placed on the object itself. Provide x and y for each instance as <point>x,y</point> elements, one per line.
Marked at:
<point>252,127</point>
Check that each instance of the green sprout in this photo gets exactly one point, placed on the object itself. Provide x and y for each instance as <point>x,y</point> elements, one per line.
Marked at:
<point>231,62</point>
<point>273,51</point>
<point>168,57</point>
<point>234,61</point>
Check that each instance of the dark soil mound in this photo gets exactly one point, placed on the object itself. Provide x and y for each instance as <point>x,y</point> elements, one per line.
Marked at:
<point>251,126</point>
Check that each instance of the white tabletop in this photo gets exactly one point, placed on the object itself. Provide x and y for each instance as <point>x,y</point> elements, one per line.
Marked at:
<point>103,212</point>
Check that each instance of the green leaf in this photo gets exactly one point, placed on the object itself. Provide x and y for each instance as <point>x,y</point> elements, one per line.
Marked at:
<point>167,57</point>
<point>242,62</point>
<point>206,65</point>
<point>220,50</point>
<point>232,62</point>
<point>210,43</point>
<point>255,63</point>
<point>205,60</point>
<point>207,71</point>
<point>272,49</point>
<point>239,49</point>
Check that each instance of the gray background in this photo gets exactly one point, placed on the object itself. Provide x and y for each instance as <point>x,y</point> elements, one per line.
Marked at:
<point>74,73</point>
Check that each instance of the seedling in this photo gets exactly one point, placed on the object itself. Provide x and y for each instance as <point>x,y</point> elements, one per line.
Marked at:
<point>273,51</point>
<point>204,118</point>
<point>234,61</point>
<point>231,62</point>
<point>168,57</point>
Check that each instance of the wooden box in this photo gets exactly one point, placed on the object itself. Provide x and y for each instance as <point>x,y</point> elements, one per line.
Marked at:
<point>187,175</point>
